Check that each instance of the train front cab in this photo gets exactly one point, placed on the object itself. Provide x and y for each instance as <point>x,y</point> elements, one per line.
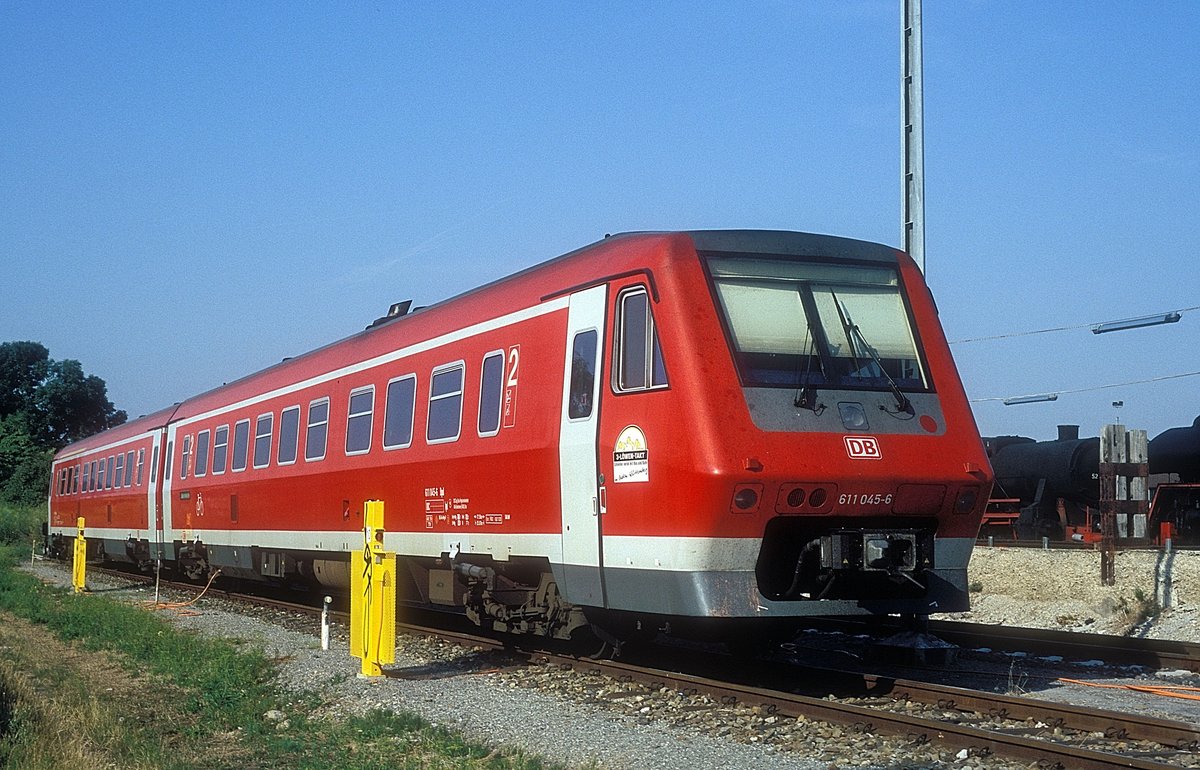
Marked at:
<point>782,433</point>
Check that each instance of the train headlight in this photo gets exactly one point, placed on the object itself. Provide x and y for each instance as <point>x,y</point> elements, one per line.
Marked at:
<point>967,497</point>
<point>854,417</point>
<point>745,498</point>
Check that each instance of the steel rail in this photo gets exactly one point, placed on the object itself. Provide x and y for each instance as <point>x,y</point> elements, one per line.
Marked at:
<point>1157,653</point>
<point>918,729</point>
<point>1113,725</point>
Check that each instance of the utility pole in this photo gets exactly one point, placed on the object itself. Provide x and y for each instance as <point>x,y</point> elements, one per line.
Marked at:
<point>912,133</point>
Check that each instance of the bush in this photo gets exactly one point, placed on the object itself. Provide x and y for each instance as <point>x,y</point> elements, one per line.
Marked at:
<point>21,524</point>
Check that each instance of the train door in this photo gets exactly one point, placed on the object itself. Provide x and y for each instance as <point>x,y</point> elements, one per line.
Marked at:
<point>580,488</point>
<point>154,495</point>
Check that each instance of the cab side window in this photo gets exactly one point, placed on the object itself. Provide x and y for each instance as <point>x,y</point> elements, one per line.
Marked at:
<point>639,364</point>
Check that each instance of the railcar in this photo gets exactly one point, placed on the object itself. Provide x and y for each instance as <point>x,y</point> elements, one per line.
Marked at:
<point>713,427</point>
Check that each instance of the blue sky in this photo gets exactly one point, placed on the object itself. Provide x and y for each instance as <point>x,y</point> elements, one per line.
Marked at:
<point>190,192</point>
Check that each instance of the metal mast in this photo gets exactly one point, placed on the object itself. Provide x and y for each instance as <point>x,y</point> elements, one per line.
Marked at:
<point>912,133</point>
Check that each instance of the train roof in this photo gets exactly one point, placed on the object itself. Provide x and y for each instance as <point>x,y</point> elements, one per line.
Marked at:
<point>606,257</point>
<point>127,430</point>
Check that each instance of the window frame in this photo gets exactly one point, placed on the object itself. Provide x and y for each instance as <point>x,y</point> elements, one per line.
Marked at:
<point>461,366</point>
<point>129,468</point>
<point>596,363</point>
<point>203,439</point>
<point>309,425</point>
<point>223,446</point>
<point>412,412</point>
<point>269,436</point>
<point>245,449</point>
<point>503,356</point>
<point>370,416</point>
<point>185,457</point>
<point>651,343</point>
<point>119,471</point>
<point>295,446</point>
<point>141,464</point>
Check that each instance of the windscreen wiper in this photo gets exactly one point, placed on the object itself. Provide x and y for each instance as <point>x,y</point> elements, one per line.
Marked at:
<point>852,330</point>
<point>806,396</point>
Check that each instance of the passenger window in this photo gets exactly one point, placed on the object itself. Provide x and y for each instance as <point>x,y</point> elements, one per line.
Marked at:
<point>170,457</point>
<point>491,390</point>
<point>184,457</point>
<point>289,435</point>
<point>75,480</point>
<point>202,441</point>
<point>119,480</point>
<point>103,483</point>
<point>583,375</point>
<point>154,466</point>
<point>445,404</point>
<point>87,476</point>
<point>129,468</point>
<point>141,463</point>
<point>358,420</point>
<point>318,430</point>
<point>241,443</point>
<point>220,449</point>
<point>639,356</point>
<point>263,428</point>
<point>398,414</point>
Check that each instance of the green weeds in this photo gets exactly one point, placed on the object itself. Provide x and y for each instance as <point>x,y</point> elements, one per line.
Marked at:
<point>206,699</point>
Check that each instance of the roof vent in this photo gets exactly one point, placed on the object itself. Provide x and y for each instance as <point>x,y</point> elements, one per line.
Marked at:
<point>396,310</point>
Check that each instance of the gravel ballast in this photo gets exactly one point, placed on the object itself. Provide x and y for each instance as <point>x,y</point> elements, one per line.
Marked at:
<point>588,721</point>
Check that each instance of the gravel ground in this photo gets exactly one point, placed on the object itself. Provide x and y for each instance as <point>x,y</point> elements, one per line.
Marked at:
<point>595,722</point>
<point>1061,590</point>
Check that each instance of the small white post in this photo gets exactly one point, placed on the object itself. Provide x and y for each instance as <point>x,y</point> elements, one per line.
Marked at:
<point>325,623</point>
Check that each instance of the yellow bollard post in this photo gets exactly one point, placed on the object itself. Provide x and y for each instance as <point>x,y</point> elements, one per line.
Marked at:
<point>79,566</point>
<point>373,597</point>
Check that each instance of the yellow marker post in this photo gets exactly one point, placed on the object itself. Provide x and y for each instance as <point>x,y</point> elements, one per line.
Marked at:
<point>79,566</point>
<point>373,597</point>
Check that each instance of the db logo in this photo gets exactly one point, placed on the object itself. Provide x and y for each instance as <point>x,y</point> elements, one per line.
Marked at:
<point>862,447</point>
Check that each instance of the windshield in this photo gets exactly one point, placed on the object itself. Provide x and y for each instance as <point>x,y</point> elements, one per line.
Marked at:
<point>798,324</point>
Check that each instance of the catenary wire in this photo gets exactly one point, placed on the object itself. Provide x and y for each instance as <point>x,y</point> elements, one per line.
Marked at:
<point>1093,387</point>
<point>1061,328</point>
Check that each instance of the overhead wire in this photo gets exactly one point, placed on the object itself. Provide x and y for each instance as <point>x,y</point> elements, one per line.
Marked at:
<point>1060,328</point>
<point>1093,387</point>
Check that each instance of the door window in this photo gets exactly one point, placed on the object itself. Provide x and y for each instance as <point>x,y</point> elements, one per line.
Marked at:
<point>583,375</point>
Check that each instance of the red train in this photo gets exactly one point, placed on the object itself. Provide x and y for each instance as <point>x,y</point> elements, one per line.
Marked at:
<point>659,427</point>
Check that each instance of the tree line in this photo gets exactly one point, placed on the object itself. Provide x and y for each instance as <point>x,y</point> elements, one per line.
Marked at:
<point>44,405</point>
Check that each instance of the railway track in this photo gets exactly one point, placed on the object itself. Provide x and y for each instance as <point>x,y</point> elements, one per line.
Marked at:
<point>981,723</point>
<point>1117,650</point>
<point>1006,541</point>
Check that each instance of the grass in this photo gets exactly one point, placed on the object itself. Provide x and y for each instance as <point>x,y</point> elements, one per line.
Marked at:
<point>21,525</point>
<point>86,681</point>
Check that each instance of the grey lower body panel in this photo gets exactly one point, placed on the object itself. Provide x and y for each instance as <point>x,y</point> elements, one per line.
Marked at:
<point>734,593</point>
